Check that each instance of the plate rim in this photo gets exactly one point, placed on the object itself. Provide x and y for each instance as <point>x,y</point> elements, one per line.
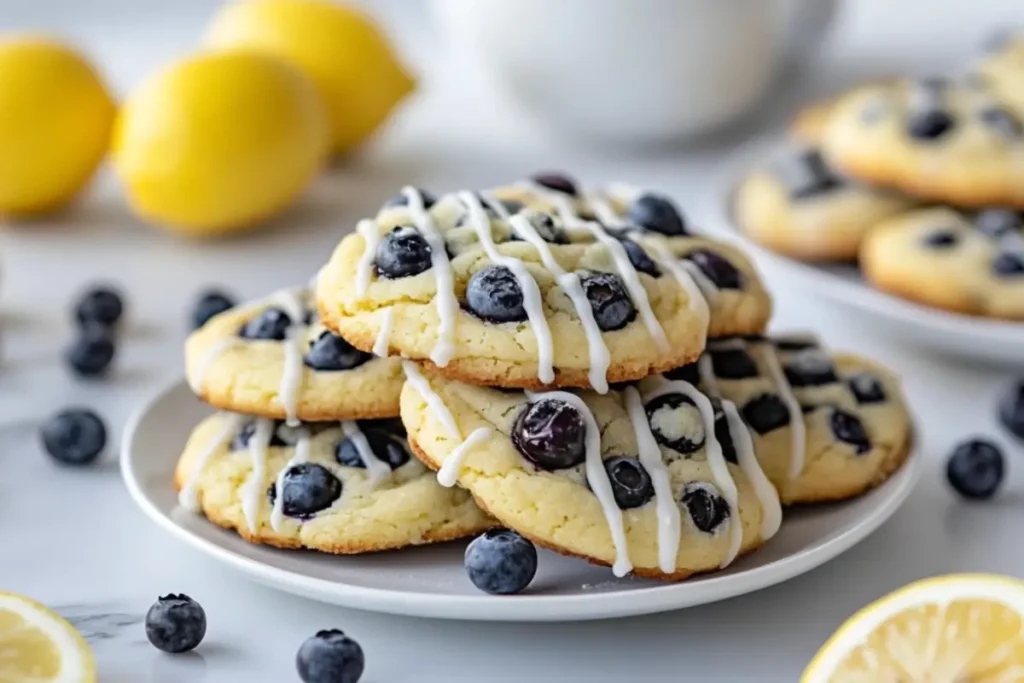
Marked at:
<point>521,608</point>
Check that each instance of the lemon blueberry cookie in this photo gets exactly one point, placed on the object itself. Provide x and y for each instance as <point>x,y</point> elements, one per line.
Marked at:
<point>613,478</point>
<point>272,358</point>
<point>521,299</point>
<point>934,139</point>
<point>968,263</point>
<point>825,426</point>
<point>346,488</point>
<point>1002,66</point>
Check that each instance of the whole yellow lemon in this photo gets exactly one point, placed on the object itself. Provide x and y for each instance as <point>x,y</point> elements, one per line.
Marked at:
<point>345,54</point>
<point>55,119</point>
<point>219,141</point>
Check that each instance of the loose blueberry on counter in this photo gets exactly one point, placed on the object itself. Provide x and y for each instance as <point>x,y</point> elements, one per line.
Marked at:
<point>101,306</point>
<point>688,373</point>
<point>559,182</point>
<point>866,388</point>
<point>997,223</point>
<point>631,484</point>
<point>212,302</point>
<point>494,295</point>
<point>810,368</point>
<point>332,353</point>
<point>640,259</point>
<point>308,489</point>
<point>403,252</point>
<point>929,124</point>
<point>551,434</point>
<point>1008,264</point>
<point>501,562</point>
<point>175,623</point>
<point>658,214</point>
<point>613,309</point>
<point>941,239</point>
<point>1011,409</point>
<point>74,437</point>
<point>707,508</point>
<point>850,430</point>
<point>92,352</point>
<point>383,445</point>
<point>330,657</point>
<point>722,274</point>
<point>401,200</point>
<point>765,413</point>
<point>271,325</point>
<point>676,422</point>
<point>975,469</point>
<point>733,364</point>
<point>805,174</point>
<point>245,434</point>
<point>1002,121</point>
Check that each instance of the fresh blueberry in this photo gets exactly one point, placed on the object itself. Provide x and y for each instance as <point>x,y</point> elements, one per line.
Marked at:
<point>271,325</point>
<point>657,213</point>
<point>810,368</point>
<point>866,388</point>
<point>733,364</point>
<point>92,352</point>
<point>722,274</point>
<point>765,413</point>
<point>401,200</point>
<point>941,239</point>
<point>1008,264</point>
<point>613,309</point>
<point>332,353</point>
<point>210,303</point>
<point>975,469</point>
<point>383,445</point>
<point>101,306</point>
<point>850,430</point>
<point>402,253</point>
<point>1001,121</point>
<point>805,174</point>
<point>1011,409</point>
<point>501,562</point>
<point>640,258</point>
<point>688,373</point>
<point>929,124</point>
<point>551,434</point>
<point>175,624</point>
<point>74,437</point>
<point>676,422</point>
<point>631,484</point>
<point>558,182</point>
<point>706,506</point>
<point>308,489</point>
<point>330,657</point>
<point>494,295</point>
<point>998,223</point>
<point>245,434</point>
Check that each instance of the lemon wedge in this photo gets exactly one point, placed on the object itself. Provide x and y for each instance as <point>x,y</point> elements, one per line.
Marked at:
<point>964,628</point>
<point>38,646</point>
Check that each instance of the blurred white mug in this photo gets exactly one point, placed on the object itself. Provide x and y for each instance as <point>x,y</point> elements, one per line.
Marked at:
<point>634,70</point>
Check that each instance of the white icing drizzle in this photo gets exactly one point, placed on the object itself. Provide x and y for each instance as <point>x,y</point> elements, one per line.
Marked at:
<point>382,344</point>
<point>377,469</point>
<point>418,382</point>
<point>449,470</point>
<point>295,340</point>
<point>196,382</point>
<point>188,497</point>
<point>532,300</point>
<point>447,306</point>
<point>698,302</point>
<point>716,461</point>
<point>253,488</point>
<point>707,375</point>
<point>796,414</point>
<point>371,236</point>
<point>650,458</point>
<point>302,448</point>
<point>771,508</point>
<point>597,477</point>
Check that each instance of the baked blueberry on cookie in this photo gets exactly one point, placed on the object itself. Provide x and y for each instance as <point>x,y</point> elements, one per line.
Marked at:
<point>347,488</point>
<point>799,206</point>
<point>653,478</point>
<point>491,289</point>
<point>272,358</point>
<point>934,139</point>
<point>968,263</point>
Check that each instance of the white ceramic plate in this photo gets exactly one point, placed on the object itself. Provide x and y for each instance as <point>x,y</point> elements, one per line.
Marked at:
<point>430,581</point>
<point>989,341</point>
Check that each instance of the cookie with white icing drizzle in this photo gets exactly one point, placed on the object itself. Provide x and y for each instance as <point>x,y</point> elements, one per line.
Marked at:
<point>593,475</point>
<point>489,294</point>
<point>274,359</point>
<point>346,488</point>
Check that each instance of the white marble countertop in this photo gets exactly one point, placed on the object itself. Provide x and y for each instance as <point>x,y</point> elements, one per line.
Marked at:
<point>72,538</point>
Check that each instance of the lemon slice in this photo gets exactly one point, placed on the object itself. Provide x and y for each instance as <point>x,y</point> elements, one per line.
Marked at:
<point>964,628</point>
<point>38,646</point>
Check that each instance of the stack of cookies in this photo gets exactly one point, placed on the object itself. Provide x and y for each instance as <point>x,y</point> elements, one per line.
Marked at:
<point>921,181</point>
